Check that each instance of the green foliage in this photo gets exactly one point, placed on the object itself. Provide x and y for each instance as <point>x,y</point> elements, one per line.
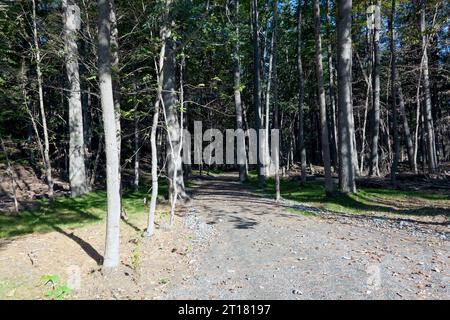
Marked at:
<point>57,290</point>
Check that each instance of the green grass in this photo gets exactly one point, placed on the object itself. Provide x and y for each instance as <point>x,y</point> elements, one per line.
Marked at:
<point>66,212</point>
<point>365,201</point>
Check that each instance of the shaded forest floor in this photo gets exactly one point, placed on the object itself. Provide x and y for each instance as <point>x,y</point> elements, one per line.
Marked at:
<point>426,211</point>
<point>233,241</point>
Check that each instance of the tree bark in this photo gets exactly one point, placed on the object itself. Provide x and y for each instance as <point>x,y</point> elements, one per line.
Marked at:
<point>301,94</point>
<point>116,93</point>
<point>111,258</point>
<point>169,100</point>
<point>322,103</point>
<point>115,72</point>
<point>160,67</point>
<point>275,150</point>
<point>402,109</point>
<point>346,126</point>
<point>47,163</point>
<point>265,143</point>
<point>332,90</point>
<point>373,169</point>
<point>77,169</point>
<point>394,92</point>
<point>428,116</point>
<point>257,90</point>
<point>136,152</point>
<point>237,91</point>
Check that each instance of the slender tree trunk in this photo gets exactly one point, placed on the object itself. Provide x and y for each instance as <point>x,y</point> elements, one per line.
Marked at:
<point>111,258</point>
<point>245,127</point>
<point>345,107</point>
<point>394,91</point>
<point>169,100</point>
<point>77,169</point>
<point>422,141</point>
<point>151,216</point>
<point>257,90</point>
<point>428,116</point>
<point>23,77</point>
<point>366,109</point>
<point>301,134</point>
<point>402,109</point>
<point>332,91</point>
<point>373,169</point>
<point>160,74</point>
<point>418,117</point>
<point>276,149</point>
<point>368,79</point>
<point>47,163</point>
<point>136,152</point>
<point>322,103</point>
<point>86,96</point>
<point>237,92</point>
<point>177,152</point>
<point>265,145</point>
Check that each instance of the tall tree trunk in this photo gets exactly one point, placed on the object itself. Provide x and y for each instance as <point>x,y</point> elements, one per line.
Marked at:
<point>169,99</point>
<point>177,151</point>
<point>116,92</point>
<point>77,169</point>
<point>160,74</point>
<point>373,169</point>
<point>136,152</point>
<point>86,96</point>
<point>276,149</point>
<point>345,107</point>
<point>111,258</point>
<point>394,92</point>
<point>237,92</point>
<point>428,116</point>
<point>115,72</point>
<point>322,103</point>
<point>265,143</point>
<point>332,91</point>
<point>37,52</point>
<point>418,117</point>
<point>301,95</point>
<point>257,90</point>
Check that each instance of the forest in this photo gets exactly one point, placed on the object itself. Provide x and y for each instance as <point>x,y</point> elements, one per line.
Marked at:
<point>294,144</point>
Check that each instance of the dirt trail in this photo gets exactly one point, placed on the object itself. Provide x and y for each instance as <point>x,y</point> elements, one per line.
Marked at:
<point>263,250</point>
<point>230,243</point>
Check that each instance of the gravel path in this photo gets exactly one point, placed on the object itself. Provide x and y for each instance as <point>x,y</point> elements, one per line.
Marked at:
<point>259,249</point>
